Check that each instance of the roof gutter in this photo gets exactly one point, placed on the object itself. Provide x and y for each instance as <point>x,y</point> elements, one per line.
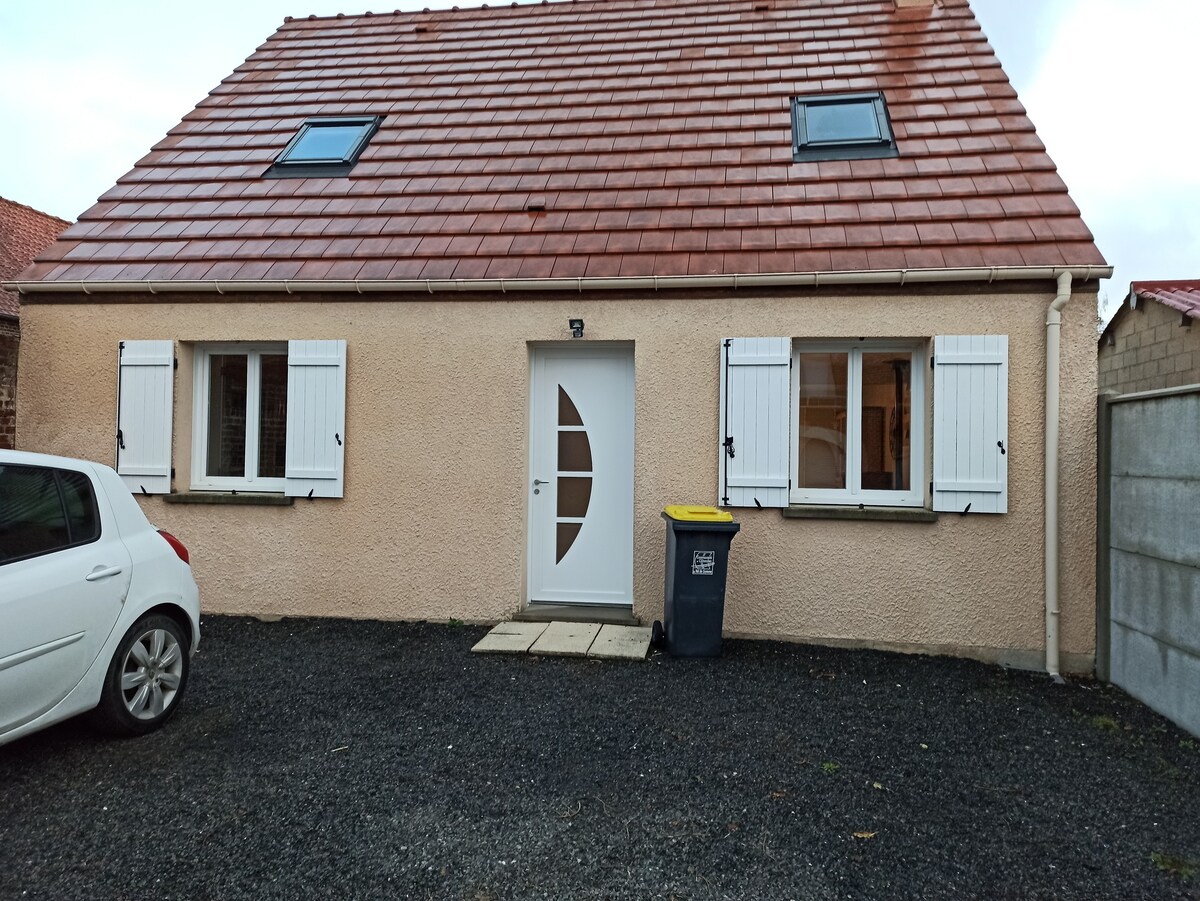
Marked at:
<point>510,285</point>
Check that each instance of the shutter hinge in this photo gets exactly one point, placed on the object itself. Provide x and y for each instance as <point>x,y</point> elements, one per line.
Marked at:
<point>120,439</point>
<point>725,501</point>
<point>172,472</point>
<point>931,489</point>
<point>175,360</point>
<point>931,361</point>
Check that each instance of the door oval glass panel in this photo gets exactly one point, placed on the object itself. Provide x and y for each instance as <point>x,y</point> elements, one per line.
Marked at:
<point>575,489</point>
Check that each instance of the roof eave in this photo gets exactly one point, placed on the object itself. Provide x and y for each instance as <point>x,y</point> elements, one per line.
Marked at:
<point>1083,273</point>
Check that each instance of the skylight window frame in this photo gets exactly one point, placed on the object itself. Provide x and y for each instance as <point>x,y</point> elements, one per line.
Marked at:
<point>805,149</point>
<point>284,167</point>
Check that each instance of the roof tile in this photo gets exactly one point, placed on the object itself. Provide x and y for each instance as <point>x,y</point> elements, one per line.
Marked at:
<point>655,135</point>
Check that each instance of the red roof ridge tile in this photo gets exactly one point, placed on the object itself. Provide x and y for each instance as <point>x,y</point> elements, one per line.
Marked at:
<point>1166,284</point>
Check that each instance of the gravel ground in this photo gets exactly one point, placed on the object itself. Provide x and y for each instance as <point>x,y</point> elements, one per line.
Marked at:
<point>334,759</point>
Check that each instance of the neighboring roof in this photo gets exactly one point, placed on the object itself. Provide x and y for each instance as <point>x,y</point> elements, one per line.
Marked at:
<point>1181,296</point>
<point>656,134</point>
<point>24,233</point>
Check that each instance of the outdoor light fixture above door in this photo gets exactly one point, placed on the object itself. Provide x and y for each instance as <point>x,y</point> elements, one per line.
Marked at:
<point>576,327</point>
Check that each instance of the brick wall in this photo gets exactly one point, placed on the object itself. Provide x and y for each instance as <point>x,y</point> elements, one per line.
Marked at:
<point>8,383</point>
<point>1149,350</point>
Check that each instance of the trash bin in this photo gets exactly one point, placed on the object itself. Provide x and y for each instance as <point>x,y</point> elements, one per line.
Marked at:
<point>698,540</point>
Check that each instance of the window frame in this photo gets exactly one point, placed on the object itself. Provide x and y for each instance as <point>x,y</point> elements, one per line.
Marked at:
<point>283,167</point>
<point>201,399</point>
<point>853,494</point>
<point>806,150</point>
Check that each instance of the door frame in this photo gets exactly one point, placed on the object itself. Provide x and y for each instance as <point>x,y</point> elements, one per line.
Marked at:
<point>578,350</point>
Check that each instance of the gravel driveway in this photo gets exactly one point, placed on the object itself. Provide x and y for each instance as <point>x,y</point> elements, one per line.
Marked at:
<point>334,759</point>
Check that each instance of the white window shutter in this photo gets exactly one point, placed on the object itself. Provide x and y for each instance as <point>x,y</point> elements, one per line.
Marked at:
<point>755,417</point>
<point>144,405</point>
<point>970,423</point>
<point>316,419</point>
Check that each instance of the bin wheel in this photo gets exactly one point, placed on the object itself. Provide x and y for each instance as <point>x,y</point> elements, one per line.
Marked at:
<point>657,634</point>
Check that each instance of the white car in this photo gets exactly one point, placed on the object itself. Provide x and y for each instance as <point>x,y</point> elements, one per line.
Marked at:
<point>98,609</point>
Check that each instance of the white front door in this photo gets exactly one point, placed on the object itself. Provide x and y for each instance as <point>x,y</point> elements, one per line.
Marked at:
<point>581,475</point>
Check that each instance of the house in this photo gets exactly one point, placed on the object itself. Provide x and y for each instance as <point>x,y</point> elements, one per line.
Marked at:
<point>24,233</point>
<point>1149,343</point>
<point>428,315</point>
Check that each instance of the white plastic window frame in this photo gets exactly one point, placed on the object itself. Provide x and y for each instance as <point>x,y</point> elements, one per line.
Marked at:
<point>853,494</point>
<point>204,353</point>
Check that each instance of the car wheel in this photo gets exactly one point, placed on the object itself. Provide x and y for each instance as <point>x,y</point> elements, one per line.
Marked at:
<point>146,678</point>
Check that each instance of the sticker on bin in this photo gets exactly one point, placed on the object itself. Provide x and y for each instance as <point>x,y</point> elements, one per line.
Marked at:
<point>703,562</point>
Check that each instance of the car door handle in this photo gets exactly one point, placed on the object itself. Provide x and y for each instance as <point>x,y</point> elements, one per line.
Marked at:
<point>103,572</point>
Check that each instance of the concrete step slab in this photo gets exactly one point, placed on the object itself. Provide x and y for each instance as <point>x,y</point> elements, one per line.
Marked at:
<point>510,638</point>
<point>565,639</point>
<point>577,613</point>
<point>621,643</point>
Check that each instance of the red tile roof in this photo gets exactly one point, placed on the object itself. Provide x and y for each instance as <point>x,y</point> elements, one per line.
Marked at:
<point>24,233</point>
<point>1181,296</point>
<point>656,134</point>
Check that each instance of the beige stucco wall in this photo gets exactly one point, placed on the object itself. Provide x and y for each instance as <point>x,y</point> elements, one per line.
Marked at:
<point>1149,348</point>
<point>433,525</point>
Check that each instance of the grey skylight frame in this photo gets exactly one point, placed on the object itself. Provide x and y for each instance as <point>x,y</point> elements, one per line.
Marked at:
<point>284,167</point>
<point>805,149</point>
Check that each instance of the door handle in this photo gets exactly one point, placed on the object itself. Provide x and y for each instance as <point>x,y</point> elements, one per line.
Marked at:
<point>103,572</point>
<point>540,482</point>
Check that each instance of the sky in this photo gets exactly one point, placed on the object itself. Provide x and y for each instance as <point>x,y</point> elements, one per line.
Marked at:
<point>91,87</point>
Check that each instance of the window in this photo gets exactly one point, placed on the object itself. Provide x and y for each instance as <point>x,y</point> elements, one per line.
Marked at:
<point>325,147</point>
<point>845,423</point>
<point>841,127</point>
<point>240,438</point>
<point>267,417</point>
<point>44,510</point>
<point>858,432</point>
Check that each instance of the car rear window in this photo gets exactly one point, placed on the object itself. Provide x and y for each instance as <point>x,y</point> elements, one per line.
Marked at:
<point>44,510</point>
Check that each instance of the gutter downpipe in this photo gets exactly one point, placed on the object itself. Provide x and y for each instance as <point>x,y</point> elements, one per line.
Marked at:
<point>1053,356</point>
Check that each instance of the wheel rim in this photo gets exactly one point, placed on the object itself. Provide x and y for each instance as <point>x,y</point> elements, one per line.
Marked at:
<point>151,674</point>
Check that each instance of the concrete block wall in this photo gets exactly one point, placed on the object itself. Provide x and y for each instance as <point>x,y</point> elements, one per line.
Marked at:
<point>9,340</point>
<point>1154,561</point>
<point>1150,349</point>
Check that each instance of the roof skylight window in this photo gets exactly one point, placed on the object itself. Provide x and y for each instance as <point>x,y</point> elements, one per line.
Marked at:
<point>326,146</point>
<point>841,127</point>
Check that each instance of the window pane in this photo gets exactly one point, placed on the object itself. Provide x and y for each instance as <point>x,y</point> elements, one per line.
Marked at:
<point>227,415</point>
<point>325,143</point>
<point>841,122</point>
<point>574,495</point>
<point>887,412</point>
<point>823,399</point>
<point>81,507</point>
<point>272,416</point>
<point>574,452</point>
<point>31,513</point>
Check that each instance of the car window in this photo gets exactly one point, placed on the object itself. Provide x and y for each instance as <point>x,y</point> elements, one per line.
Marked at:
<point>83,519</point>
<point>33,516</point>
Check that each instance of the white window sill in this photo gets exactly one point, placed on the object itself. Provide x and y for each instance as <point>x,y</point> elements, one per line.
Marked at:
<point>869,514</point>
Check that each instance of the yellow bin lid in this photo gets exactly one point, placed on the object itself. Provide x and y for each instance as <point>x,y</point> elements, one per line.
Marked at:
<point>691,513</point>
